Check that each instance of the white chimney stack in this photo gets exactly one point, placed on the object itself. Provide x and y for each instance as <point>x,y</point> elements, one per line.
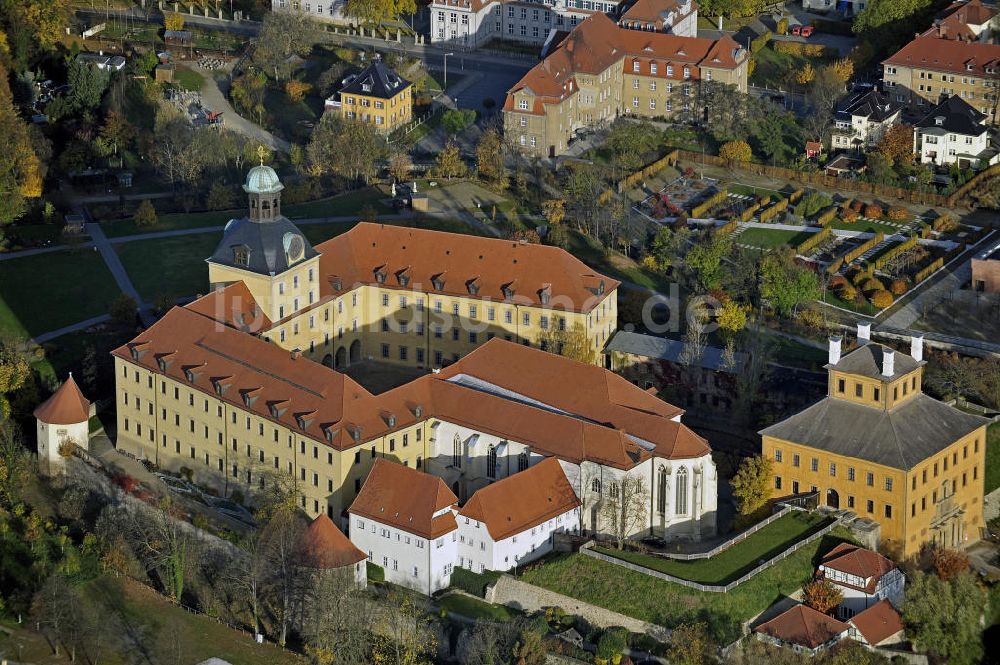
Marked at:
<point>835,349</point>
<point>864,333</point>
<point>888,361</point>
<point>917,347</point>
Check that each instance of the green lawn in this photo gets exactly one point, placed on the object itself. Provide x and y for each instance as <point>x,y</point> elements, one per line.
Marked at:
<point>790,352</point>
<point>168,266</point>
<point>474,608</point>
<point>777,70</point>
<point>992,479</point>
<point>591,253</point>
<point>865,307</point>
<point>349,203</point>
<point>188,79</point>
<point>738,560</point>
<point>866,225</point>
<point>771,238</point>
<point>666,604</point>
<point>49,291</point>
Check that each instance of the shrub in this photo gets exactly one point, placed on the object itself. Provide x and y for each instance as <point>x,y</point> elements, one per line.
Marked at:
<point>838,281</point>
<point>474,583</point>
<point>145,214</point>
<point>856,205</point>
<point>849,216</point>
<point>760,42</point>
<point>375,572</point>
<point>873,211</point>
<point>882,299</point>
<point>783,26</point>
<point>857,275</point>
<point>736,151</point>
<point>612,643</point>
<point>847,293</point>
<point>872,284</point>
<point>899,287</point>
<point>898,213</point>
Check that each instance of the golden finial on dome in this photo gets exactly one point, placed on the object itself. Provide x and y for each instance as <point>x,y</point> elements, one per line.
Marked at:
<point>262,153</point>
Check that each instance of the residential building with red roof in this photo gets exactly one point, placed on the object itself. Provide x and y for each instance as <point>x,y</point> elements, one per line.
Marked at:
<point>326,548</point>
<point>405,521</point>
<point>878,626</point>
<point>602,70</point>
<point>63,419</point>
<point>676,17</point>
<point>965,21</point>
<point>864,577</point>
<point>514,520</point>
<point>929,69</point>
<point>803,629</point>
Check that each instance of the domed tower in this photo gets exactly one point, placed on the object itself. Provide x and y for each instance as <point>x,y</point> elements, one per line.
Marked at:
<point>267,252</point>
<point>63,420</point>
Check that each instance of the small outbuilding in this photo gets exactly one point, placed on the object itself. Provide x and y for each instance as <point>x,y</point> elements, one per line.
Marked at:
<point>326,548</point>
<point>62,422</point>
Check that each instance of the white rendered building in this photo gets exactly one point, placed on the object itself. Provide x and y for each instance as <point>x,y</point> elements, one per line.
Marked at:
<point>863,576</point>
<point>514,520</point>
<point>863,119</point>
<point>404,521</point>
<point>500,413</point>
<point>954,133</point>
<point>473,23</point>
<point>63,419</point>
<point>329,11</point>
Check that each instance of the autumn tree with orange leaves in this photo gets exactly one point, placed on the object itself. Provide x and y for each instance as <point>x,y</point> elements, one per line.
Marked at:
<point>822,596</point>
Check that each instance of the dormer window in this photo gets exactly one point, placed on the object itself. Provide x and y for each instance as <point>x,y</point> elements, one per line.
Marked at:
<point>367,87</point>
<point>545,295</point>
<point>241,256</point>
<point>380,275</point>
<point>508,291</point>
<point>600,288</point>
<point>437,281</point>
<point>473,286</point>
<point>939,121</point>
<point>390,419</point>
<point>418,411</point>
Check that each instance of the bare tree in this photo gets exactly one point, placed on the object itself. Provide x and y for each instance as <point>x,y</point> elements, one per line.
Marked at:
<point>164,543</point>
<point>281,543</point>
<point>337,617</point>
<point>625,507</point>
<point>405,627</point>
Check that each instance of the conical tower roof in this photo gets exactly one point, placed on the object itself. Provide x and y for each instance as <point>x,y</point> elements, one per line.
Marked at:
<point>67,406</point>
<point>327,547</point>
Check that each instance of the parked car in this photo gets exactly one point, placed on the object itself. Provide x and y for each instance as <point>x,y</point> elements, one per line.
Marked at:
<point>807,31</point>
<point>796,30</point>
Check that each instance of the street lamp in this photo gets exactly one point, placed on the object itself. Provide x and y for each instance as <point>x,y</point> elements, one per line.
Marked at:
<point>446,72</point>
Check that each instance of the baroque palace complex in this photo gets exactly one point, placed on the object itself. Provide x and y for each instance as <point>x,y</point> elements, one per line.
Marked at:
<point>503,432</point>
<point>242,383</point>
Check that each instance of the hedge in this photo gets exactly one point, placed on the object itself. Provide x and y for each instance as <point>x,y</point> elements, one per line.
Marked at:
<point>708,204</point>
<point>814,240</point>
<point>896,251</point>
<point>760,42</point>
<point>630,180</point>
<point>796,195</point>
<point>929,270</point>
<point>728,227</point>
<point>828,216</point>
<point>863,247</point>
<point>957,195</point>
<point>806,50</point>
<point>835,266</point>
<point>773,211</point>
<point>821,179</point>
<point>474,583</point>
<point>749,212</point>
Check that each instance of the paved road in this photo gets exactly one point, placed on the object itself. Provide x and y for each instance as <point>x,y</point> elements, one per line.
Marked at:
<point>114,264</point>
<point>81,325</point>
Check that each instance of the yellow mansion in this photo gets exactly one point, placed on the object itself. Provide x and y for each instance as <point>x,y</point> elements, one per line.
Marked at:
<point>377,96</point>
<point>878,446</point>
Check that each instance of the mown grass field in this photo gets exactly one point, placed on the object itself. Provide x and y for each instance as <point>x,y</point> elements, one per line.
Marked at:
<point>771,238</point>
<point>739,559</point>
<point>667,604</point>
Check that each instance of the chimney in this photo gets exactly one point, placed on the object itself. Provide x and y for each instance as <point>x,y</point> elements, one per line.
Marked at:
<point>888,361</point>
<point>835,341</point>
<point>917,347</point>
<point>864,333</point>
<point>296,354</point>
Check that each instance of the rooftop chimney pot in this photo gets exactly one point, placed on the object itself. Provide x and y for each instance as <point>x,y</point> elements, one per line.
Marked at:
<point>917,347</point>
<point>888,362</point>
<point>864,333</point>
<point>835,341</point>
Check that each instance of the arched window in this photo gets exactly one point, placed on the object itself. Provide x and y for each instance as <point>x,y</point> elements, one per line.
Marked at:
<point>595,486</point>
<point>522,461</point>
<point>241,255</point>
<point>491,462</point>
<point>661,491</point>
<point>613,490</point>
<point>456,452</point>
<point>681,503</point>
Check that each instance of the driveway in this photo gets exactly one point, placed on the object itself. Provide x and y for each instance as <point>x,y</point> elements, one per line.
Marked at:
<point>214,96</point>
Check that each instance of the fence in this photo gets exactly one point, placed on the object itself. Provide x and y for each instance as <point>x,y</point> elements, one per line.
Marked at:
<point>587,550</point>
<point>822,179</point>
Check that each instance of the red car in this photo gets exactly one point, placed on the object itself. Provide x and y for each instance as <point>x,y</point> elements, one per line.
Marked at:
<point>796,30</point>
<point>807,30</point>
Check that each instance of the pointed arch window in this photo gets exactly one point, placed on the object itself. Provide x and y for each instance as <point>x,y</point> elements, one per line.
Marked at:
<point>681,502</point>
<point>491,462</point>
<point>613,490</point>
<point>661,491</point>
<point>522,461</point>
<point>595,486</point>
<point>456,452</point>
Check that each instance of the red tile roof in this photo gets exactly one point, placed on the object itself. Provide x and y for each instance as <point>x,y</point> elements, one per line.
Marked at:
<point>461,265</point>
<point>523,500</point>
<point>406,499</point>
<point>654,11</point>
<point>597,43</point>
<point>858,561</point>
<point>878,623</point>
<point>560,407</point>
<point>945,55</point>
<point>233,305</point>
<point>67,406</point>
<point>326,546</point>
<point>958,19</point>
<point>804,626</point>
